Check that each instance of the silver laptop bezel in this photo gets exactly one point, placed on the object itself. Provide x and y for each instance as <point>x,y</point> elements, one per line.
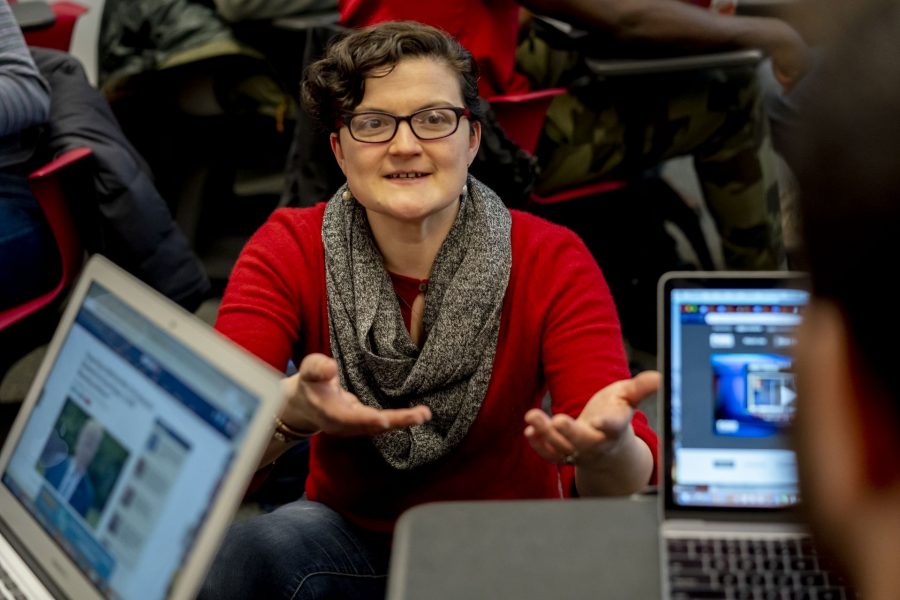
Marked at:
<point>256,377</point>
<point>668,509</point>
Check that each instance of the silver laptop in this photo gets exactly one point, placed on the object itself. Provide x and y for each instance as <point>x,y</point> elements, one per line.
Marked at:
<point>132,449</point>
<point>729,488</point>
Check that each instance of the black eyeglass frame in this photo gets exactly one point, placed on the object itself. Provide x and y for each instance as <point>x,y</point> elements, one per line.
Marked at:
<point>458,111</point>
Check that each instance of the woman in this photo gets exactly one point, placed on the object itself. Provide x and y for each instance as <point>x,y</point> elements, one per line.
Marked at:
<point>448,319</point>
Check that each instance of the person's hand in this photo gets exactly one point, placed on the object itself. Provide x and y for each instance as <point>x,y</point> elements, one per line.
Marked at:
<point>317,402</point>
<point>789,53</point>
<point>603,426</point>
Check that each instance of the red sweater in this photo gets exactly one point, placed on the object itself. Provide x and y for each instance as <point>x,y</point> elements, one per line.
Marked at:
<point>558,331</point>
<point>488,29</point>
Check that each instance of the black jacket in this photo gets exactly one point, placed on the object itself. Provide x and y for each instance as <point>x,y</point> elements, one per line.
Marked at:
<point>124,218</point>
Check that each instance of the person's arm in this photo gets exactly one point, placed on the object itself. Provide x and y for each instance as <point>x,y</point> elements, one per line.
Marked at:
<point>24,94</point>
<point>684,25</point>
<point>595,425</point>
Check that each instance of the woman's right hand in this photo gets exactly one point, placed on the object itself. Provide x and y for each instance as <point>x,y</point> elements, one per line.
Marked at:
<point>317,402</point>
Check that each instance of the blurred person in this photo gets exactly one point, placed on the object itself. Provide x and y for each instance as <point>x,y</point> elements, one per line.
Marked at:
<point>848,420</point>
<point>121,216</point>
<point>819,23</point>
<point>199,88</point>
<point>618,127</point>
<point>28,258</point>
<point>146,35</point>
<point>677,25</point>
<point>70,476</point>
<point>116,206</point>
<point>425,347</point>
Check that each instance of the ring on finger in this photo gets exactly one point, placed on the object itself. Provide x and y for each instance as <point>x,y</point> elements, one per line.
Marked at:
<point>570,459</point>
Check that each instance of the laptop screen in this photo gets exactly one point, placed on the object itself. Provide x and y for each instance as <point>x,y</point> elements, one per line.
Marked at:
<point>127,445</point>
<point>731,393</point>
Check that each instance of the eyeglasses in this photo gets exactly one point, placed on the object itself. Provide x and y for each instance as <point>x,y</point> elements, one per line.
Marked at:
<point>427,124</point>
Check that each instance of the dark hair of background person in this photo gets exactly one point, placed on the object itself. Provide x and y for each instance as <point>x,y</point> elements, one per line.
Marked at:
<point>847,162</point>
<point>335,85</point>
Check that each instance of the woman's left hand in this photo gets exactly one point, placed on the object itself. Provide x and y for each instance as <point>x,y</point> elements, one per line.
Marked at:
<point>599,432</point>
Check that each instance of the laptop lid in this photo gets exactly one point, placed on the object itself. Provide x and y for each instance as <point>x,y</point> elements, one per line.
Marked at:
<point>133,446</point>
<point>728,397</point>
<point>527,550</point>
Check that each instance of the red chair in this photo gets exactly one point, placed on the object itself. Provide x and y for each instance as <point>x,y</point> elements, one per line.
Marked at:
<point>47,185</point>
<point>522,118</point>
<point>58,35</point>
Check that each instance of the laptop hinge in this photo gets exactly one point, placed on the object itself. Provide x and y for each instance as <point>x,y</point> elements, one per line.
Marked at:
<point>38,574</point>
<point>692,527</point>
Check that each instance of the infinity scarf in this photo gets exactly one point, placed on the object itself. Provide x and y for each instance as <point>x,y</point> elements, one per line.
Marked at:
<point>378,361</point>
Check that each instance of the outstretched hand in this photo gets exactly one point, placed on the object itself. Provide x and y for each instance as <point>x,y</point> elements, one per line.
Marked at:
<point>317,402</point>
<point>600,430</point>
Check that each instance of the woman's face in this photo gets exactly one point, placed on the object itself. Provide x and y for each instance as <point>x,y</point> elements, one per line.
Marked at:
<point>407,179</point>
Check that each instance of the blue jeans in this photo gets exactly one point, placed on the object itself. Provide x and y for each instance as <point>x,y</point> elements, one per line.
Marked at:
<point>303,550</point>
<point>29,260</point>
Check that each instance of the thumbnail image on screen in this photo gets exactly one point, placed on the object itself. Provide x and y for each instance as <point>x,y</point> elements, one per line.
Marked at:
<point>81,461</point>
<point>754,394</point>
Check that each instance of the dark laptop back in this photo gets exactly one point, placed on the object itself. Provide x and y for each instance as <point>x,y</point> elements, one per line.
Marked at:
<point>535,549</point>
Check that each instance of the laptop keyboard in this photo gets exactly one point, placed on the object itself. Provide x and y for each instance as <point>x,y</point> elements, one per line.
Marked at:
<point>751,569</point>
<point>8,588</point>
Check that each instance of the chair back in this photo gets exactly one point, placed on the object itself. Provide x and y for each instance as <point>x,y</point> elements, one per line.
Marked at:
<point>58,36</point>
<point>47,185</point>
<point>522,116</point>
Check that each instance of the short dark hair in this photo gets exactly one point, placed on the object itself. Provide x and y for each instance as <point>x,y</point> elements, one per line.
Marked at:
<point>847,163</point>
<point>335,84</point>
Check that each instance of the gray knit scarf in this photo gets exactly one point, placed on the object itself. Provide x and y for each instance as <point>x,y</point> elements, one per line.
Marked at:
<point>376,357</point>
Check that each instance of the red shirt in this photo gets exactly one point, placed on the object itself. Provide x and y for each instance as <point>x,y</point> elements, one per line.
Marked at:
<point>558,332</point>
<point>408,289</point>
<point>488,29</point>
